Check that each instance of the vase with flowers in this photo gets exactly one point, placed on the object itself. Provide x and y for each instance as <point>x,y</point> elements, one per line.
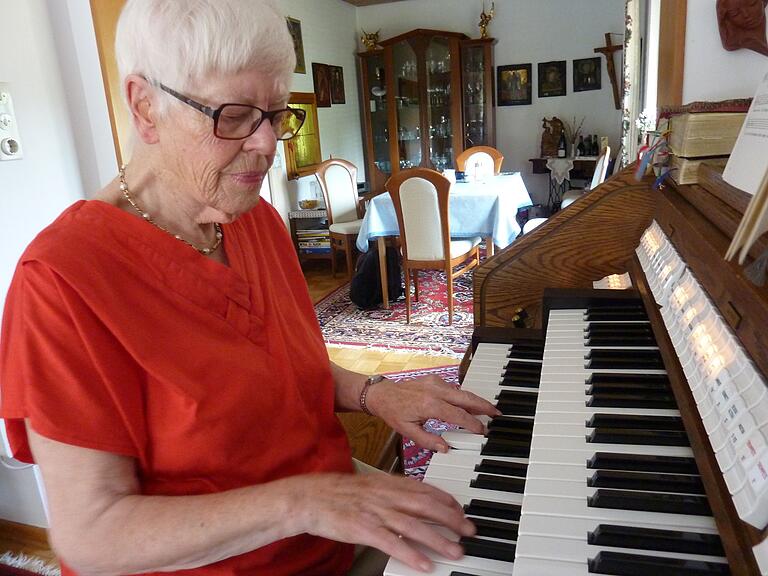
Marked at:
<point>572,132</point>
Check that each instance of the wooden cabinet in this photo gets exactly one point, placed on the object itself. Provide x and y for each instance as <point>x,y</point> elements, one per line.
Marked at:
<point>426,96</point>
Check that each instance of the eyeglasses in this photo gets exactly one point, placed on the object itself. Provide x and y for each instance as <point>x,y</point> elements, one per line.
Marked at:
<point>238,121</point>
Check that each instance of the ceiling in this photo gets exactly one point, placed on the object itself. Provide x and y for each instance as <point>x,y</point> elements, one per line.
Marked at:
<point>370,2</point>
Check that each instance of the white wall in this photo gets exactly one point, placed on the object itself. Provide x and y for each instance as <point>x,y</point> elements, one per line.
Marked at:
<point>329,33</point>
<point>527,32</point>
<point>35,189</point>
<point>711,72</point>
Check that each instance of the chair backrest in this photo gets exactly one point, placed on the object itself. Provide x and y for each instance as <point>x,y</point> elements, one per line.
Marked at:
<point>601,168</point>
<point>420,198</point>
<point>338,181</point>
<point>487,159</point>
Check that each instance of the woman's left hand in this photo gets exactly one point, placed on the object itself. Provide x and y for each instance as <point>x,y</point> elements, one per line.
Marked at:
<point>407,404</point>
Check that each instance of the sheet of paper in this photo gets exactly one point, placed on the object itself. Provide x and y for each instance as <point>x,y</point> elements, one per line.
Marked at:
<point>749,159</point>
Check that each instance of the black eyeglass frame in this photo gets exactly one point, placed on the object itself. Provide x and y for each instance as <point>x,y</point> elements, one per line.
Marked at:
<point>215,113</point>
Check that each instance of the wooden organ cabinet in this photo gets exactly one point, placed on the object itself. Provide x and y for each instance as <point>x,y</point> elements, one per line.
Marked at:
<point>634,434</point>
<point>426,96</point>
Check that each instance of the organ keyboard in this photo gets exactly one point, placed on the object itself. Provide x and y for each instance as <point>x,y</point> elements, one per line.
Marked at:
<point>634,426</point>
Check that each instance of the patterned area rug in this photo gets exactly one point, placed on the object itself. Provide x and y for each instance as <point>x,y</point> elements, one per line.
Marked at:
<point>416,458</point>
<point>344,324</point>
<point>22,565</point>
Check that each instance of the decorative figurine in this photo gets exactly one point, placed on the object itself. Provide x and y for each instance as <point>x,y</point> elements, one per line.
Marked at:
<point>370,40</point>
<point>742,24</point>
<point>550,138</point>
<point>485,19</point>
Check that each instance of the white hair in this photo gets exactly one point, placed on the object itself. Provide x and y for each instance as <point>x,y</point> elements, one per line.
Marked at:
<point>180,42</point>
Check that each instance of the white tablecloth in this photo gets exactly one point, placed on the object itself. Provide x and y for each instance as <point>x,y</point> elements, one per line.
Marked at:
<point>476,209</point>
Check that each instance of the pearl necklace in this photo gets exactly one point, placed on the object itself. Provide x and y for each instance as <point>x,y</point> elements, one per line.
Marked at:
<point>148,218</point>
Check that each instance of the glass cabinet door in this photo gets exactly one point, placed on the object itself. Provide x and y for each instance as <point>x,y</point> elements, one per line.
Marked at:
<point>438,68</point>
<point>377,102</point>
<point>406,87</point>
<point>476,95</point>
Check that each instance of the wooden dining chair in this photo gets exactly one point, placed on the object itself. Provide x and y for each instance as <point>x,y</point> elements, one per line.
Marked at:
<point>598,177</point>
<point>420,197</point>
<point>338,181</point>
<point>485,159</point>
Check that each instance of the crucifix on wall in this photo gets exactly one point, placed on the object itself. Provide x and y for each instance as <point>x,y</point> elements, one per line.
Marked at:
<point>608,51</point>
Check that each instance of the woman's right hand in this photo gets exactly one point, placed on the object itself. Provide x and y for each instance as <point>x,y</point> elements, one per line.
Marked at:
<point>375,509</point>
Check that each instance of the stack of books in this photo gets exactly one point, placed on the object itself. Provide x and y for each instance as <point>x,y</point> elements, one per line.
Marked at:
<point>698,137</point>
<point>314,241</point>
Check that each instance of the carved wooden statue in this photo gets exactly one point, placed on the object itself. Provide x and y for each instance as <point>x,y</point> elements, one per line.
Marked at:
<point>742,24</point>
<point>550,138</point>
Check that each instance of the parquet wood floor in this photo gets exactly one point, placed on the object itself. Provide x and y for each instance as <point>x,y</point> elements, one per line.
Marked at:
<point>372,441</point>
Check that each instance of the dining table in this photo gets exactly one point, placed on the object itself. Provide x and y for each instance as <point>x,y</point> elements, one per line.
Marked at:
<point>486,207</point>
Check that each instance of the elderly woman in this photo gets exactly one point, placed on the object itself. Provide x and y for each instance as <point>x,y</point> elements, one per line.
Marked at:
<point>161,360</point>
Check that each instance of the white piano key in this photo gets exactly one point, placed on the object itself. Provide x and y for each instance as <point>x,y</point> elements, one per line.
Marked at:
<point>467,563</point>
<point>397,568</point>
<point>552,505</point>
<point>544,443</point>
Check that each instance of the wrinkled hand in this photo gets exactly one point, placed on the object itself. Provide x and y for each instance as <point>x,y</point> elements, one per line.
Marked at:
<point>406,405</point>
<point>372,509</point>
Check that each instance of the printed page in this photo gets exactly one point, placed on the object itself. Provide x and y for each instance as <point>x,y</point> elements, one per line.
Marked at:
<point>749,159</point>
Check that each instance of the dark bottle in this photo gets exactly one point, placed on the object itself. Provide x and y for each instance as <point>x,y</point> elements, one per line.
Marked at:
<point>588,145</point>
<point>580,147</point>
<point>595,145</point>
<point>562,152</point>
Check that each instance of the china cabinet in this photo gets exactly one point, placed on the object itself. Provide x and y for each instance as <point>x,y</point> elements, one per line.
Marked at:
<point>426,96</point>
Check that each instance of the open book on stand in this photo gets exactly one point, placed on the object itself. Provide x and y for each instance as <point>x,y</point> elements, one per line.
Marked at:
<point>747,169</point>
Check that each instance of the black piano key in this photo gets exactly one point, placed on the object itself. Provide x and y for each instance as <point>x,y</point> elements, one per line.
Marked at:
<point>520,382</point>
<point>656,539</point>
<point>454,573</point>
<point>504,447</point>
<point>490,466</point>
<point>488,509</point>
<point>633,389</point>
<point>526,368</point>
<point>636,422</point>
<point>510,423</point>
<point>619,327</point>
<point>615,316</point>
<point>519,354</point>
<point>507,434</point>
<point>644,437</point>
<point>643,463</point>
<point>512,408</point>
<point>598,358</point>
<point>619,378</point>
<point>650,502</point>
<point>620,341</point>
<point>496,529</point>
<point>618,400</point>
<point>647,481</point>
<point>623,564</point>
<point>504,551</point>
<point>498,483</point>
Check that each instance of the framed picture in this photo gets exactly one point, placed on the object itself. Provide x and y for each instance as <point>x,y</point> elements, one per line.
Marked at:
<point>552,79</point>
<point>586,74</point>
<point>294,27</point>
<point>513,83</point>
<point>337,84</point>
<point>322,81</point>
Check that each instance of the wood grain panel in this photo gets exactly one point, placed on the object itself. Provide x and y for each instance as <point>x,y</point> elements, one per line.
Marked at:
<point>593,237</point>
<point>672,27</point>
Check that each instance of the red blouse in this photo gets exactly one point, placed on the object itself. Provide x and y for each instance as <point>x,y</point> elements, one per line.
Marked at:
<point>118,337</point>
